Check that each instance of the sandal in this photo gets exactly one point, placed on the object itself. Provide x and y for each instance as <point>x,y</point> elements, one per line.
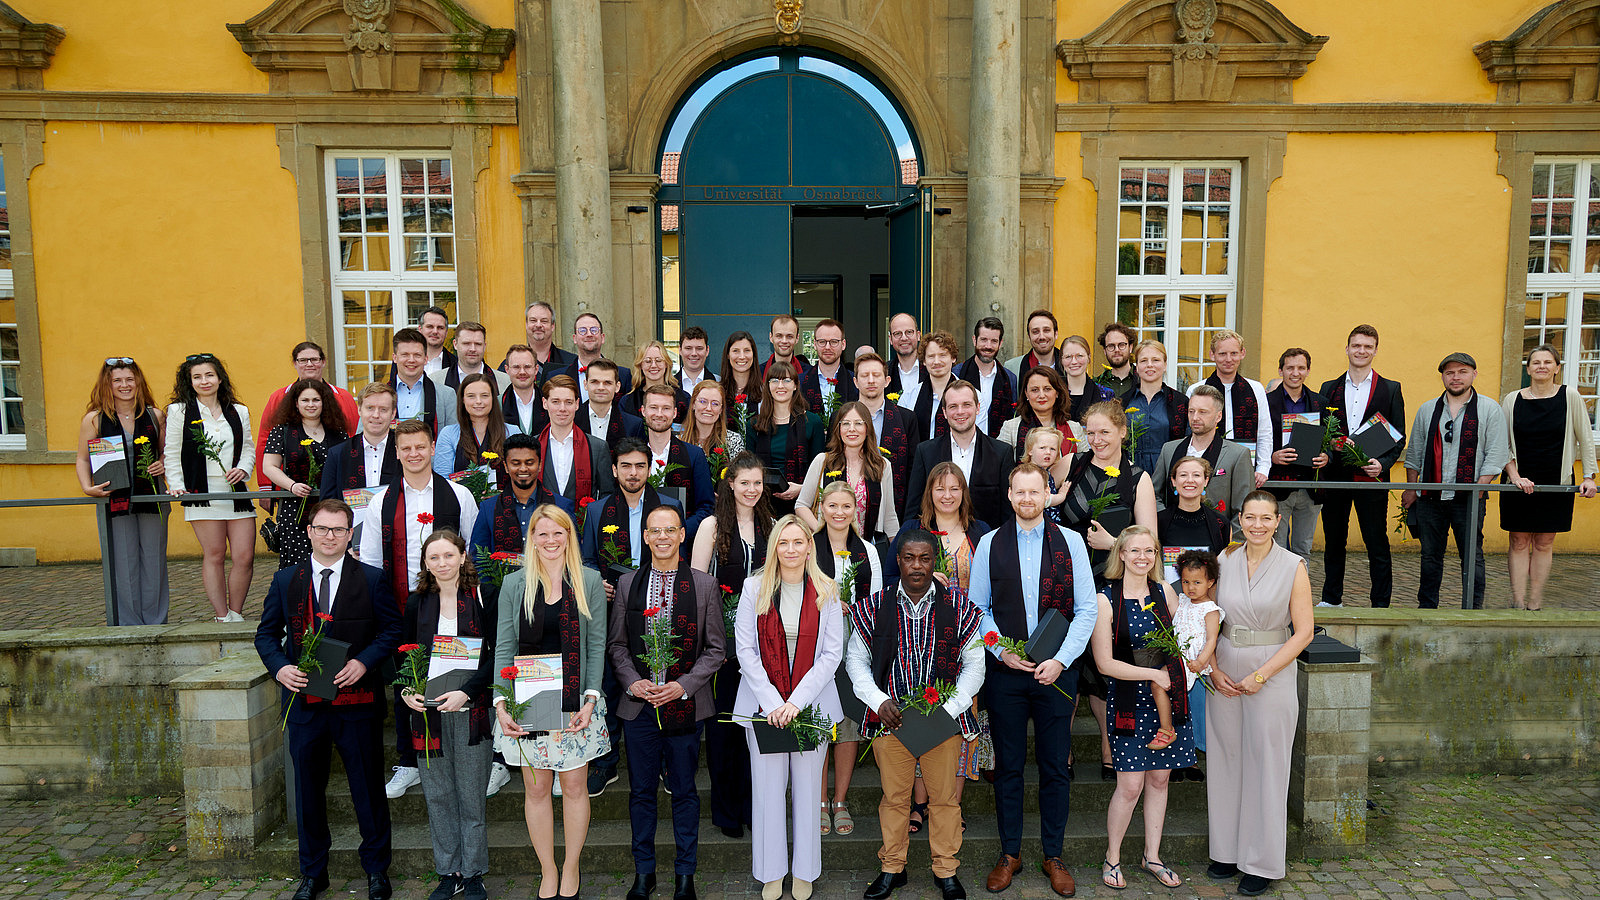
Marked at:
<point>1111,876</point>
<point>827,825</point>
<point>842,823</point>
<point>921,811</point>
<point>1163,739</point>
<point>1163,874</point>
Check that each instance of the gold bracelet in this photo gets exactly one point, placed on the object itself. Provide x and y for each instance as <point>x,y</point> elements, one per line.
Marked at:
<point>1259,679</point>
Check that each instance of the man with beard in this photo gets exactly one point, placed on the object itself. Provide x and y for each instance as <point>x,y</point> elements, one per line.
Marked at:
<point>830,378</point>
<point>1455,437</point>
<point>434,323</point>
<point>784,336</point>
<point>896,429</point>
<point>905,368</point>
<point>1042,342</point>
<point>997,385</point>
<point>1116,341</point>
<point>540,325</point>
<point>502,524</point>
<point>471,341</point>
<point>521,403</point>
<point>1231,476</point>
<point>983,460</point>
<point>680,464</point>
<point>589,336</point>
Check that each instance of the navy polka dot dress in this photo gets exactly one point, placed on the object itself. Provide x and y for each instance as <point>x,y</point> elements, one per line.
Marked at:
<point>1128,752</point>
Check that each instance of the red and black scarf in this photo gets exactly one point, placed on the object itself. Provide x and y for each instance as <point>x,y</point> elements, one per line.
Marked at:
<point>677,717</point>
<point>430,401</point>
<point>932,420</point>
<point>582,464</point>
<point>538,420</point>
<point>354,451</point>
<point>844,387</point>
<point>469,610</point>
<point>1002,398</point>
<point>1466,450</point>
<point>783,672</point>
<point>677,455</point>
<point>1006,575</point>
<point>752,401</point>
<point>1122,649</point>
<point>895,440</point>
<point>800,364</point>
<point>1031,361</point>
<point>446,513</point>
<point>1246,415</point>
<point>144,426</point>
<point>1177,412</point>
<point>614,511</point>
<point>530,636</point>
<point>193,462</point>
<point>506,534</point>
<point>353,622</point>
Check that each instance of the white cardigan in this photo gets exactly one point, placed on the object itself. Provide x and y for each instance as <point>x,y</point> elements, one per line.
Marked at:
<point>1579,443</point>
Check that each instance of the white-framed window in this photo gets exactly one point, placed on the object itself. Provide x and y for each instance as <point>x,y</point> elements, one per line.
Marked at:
<point>1178,298</point>
<point>13,434</point>
<point>391,243</point>
<point>1563,303</point>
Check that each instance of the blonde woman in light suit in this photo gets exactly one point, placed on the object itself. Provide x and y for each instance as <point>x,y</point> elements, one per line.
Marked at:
<point>534,619</point>
<point>789,633</point>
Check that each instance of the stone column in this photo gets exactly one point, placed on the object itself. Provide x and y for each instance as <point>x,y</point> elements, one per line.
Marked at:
<point>1328,772</point>
<point>583,181</point>
<point>994,164</point>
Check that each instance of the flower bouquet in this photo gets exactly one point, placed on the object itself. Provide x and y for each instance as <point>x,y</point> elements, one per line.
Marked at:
<point>308,662</point>
<point>413,679</point>
<point>806,731</point>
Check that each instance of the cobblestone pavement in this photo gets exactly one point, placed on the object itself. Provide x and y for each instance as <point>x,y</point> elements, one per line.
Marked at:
<point>66,595</point>
<point>1532,837</point>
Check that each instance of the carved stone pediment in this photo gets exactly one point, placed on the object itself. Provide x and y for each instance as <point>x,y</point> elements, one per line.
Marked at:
<point>25,49</point>
<point>1554,57</point>
<point>430,47</point>
<point>1154,51</point>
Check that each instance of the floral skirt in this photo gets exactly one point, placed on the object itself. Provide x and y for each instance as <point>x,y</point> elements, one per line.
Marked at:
<point>557,750</point>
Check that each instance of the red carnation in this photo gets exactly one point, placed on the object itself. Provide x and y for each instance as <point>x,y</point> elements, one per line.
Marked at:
<point>992,638</point>
<point>425,518</point>
<point>652,611</point>
<point>583,502</point>
<point>508,673</point>
<point>833,380</point>
<point>930,694</point>
<point>740,398</point>
<point>727,590</point>
<point>582,369</point>
<point>502,556</point>
<point>938,533</point>
<point>719,450</point>
<point>407,648</point>
<point>662,463</point>
<point>325,617</point>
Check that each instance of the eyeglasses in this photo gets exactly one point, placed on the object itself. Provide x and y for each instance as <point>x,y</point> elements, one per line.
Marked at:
<point>783,380</point>
<point>1449,431</point>
<point>828,343</point>
<point>329,530</point>
<point>308,360</point>
<point>589,332</point>
<point>707,401</point>
<point>119,360</point>
<point>194,357</point>
<point>661,532</point>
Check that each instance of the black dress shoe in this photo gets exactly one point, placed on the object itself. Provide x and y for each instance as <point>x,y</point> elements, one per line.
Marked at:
<point>378,887</point>
<point>644,883</point>
<point>884,885</point>
<point>683,888</point>
<point>310,887</point>
<point>733,831</point>
<point>1251,885</point>
<point>950,888</point>
<point>1218,871</point>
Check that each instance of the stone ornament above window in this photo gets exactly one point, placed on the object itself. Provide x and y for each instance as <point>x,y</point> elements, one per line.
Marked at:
<point>1554,57</point>
<point>431,47</point>
<point>1158,51</point>
<point>25,50</point>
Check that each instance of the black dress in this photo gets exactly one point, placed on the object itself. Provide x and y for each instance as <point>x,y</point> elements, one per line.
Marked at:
<point>1540,429</point>
<point>294,546</point>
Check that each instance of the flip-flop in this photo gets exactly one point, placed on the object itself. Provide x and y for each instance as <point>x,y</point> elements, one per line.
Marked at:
<point>1163,874</point>
<point>1111,876</point>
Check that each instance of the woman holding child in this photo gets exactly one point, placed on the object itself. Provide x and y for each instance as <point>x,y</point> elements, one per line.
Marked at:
<point>1145,745</point>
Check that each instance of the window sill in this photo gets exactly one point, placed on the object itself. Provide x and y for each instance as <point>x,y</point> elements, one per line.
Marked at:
<point>37,457</point>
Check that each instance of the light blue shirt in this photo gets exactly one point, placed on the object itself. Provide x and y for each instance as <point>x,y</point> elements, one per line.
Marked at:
<point>1030,548</point>
<point>444,449</point>
<point>877,421</point>
<point>410,402</point>
<point>635,532</point>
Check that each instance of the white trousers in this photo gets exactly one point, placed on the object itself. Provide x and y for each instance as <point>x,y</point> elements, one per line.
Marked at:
<point>770,775</point>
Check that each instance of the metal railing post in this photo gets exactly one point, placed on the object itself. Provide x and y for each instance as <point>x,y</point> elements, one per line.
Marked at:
<point>1469,558</point>
<point>108,579</point>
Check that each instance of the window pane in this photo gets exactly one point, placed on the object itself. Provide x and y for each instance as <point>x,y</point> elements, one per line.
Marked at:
<point>1586,372</point>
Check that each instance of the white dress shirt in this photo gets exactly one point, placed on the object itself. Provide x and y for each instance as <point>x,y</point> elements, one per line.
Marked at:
<point>963,457</point>
<point>1356,397</point>
<point>417,501</point>
<point>599,426</point>
<point>561,459</point>
<point>372,459</point>
<point>689,382</point>
<point>986,391</point>
<point>525,410</point>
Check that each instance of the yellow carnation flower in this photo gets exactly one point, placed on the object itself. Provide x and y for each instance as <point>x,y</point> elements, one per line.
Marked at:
<point>488,455</point>
<point>610,529</point>
<point>141,439</point>
<point>834,474</point>
<point>1113,471</point>
<point>894,396</point>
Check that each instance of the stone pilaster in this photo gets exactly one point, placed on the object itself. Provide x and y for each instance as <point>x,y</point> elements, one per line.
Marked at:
<point>1328,775</point>
<point>583,185</point>
<point>994,172</point>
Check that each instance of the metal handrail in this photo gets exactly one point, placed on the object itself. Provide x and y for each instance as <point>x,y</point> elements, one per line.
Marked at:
<point>103,523</point>
<point>1469,555</point>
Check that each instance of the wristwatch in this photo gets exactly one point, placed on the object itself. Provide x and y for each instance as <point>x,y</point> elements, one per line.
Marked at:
<point>1259,679</point>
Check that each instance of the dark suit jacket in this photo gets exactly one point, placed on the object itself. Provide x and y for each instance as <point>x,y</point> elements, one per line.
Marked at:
<point>623,424</point>
<point>811,389</point>
<point>600,465</point>
<point>1385,398</point>
<point>992,462</point>
<point>278,646</point>
<point>589,541</point>
<point>895,385</point>
<point>569,367</point>
<point>711,646</point>
<point>336,470</point>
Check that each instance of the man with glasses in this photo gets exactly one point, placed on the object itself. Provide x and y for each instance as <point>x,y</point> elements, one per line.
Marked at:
<point>1116,341</point>
<point>664,709</point>
<point>309,363</point>
<point>830,378</point>
<point>589,336</point>
<point>362,612</point>
<point>905,339</point>
<point>1456,437</point>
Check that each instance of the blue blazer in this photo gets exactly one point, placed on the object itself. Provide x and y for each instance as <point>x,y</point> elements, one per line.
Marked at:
<point>590,542</point>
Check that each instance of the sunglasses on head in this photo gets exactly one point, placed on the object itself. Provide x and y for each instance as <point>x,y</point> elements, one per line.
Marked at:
<point>196,357</point>
<point>119,360</point>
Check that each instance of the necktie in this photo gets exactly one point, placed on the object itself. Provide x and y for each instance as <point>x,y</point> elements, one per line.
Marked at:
<point>324,600</point>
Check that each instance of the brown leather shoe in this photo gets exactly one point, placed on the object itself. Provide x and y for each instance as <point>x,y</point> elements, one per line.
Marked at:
<point>1004,870</point>
<point>1060,878</point>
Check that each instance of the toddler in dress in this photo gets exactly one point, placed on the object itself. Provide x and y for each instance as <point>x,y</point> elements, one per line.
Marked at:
<point>1196,625</point>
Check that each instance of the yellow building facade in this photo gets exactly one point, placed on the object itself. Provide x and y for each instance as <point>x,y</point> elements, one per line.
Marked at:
<point>235,176</point>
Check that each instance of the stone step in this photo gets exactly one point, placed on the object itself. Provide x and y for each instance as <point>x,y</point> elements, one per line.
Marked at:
<point>1089,796</point>
<point>608,848</point>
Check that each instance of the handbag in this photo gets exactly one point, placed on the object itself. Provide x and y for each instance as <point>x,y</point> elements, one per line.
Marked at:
<point>269,532</point>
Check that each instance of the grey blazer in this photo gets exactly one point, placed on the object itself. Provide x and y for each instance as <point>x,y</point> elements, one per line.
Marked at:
<point>591,629</point>
<point>1226,491</point>
<point>711,646</point>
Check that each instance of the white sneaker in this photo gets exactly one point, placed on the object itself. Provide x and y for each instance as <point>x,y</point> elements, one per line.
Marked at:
<point>555,785</point>
<point>1330,605</point>
<point>405,778</point>
<point>232,617</point>
<point>499,777</point>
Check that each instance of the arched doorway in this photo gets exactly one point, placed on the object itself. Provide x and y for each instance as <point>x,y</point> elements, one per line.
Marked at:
<point>789,184</point>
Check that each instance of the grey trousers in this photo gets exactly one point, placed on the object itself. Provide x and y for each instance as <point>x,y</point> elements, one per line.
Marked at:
<point>1299,523</point>
<point>139,568</point>
<point>455,781</point>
